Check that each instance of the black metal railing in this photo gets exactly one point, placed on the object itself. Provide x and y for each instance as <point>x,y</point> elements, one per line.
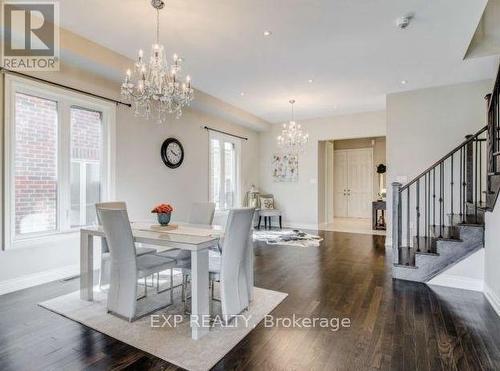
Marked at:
<point>494,128</point>
<point>449,192</point>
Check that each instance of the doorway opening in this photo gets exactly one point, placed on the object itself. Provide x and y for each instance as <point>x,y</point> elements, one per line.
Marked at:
<point>351,185</point>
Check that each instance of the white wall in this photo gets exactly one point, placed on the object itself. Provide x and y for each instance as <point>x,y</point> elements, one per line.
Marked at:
<point>144,181</point>
<point>423,125</point>
<point>299,201</point>
<point>467,274</point>
<point>492,258</point>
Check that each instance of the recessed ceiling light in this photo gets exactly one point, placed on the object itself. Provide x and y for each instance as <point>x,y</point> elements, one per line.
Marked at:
<point>267,33</point>
<point>242,93</point>
<point>310,81</point>
<point>404,82</point>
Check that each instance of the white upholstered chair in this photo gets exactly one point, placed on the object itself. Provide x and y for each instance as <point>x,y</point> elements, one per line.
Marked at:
<point>126,267</point>
<point>268,213</point>
<point>230,267</point>
<point>104,271</point>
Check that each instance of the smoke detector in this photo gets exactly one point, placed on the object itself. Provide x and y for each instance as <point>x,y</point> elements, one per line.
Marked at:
<point>404,21</point>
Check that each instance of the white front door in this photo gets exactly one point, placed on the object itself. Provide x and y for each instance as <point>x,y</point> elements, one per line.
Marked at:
<point>340,184</point>
<point>353,182</point>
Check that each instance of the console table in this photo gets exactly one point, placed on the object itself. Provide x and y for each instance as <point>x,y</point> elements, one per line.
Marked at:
<point>378,215</point>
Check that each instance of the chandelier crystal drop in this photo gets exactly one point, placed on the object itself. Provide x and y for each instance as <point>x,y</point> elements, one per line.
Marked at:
<point>292,138</point>
<point>155,87</point>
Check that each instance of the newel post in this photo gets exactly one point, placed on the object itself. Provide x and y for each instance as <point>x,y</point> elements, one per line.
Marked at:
<point>396,221</point>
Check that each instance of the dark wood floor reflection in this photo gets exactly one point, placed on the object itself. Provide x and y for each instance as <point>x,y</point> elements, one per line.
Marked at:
<point>395,325</point>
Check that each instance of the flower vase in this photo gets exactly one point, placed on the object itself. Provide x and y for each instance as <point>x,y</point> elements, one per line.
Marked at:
<point>164,218</point>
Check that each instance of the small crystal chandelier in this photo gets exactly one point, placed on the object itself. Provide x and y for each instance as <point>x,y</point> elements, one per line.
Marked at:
<point>292,139</point>
<point>156,86</point>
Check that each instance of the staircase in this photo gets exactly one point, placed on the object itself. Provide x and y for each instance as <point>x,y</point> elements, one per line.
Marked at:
<point>438,217</point>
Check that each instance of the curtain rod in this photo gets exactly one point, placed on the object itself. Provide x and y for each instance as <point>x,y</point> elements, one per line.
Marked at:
<point>224,132</point>
<point>4,70</point>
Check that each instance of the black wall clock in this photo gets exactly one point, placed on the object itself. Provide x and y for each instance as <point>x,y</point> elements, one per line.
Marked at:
<point>172,153</point>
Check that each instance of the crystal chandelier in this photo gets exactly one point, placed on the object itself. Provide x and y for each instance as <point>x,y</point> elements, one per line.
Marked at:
<point>155,87</point>
<point>292,138</point>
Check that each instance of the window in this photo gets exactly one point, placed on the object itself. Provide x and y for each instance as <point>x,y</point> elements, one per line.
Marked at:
<point>57,153</point>
<point>85,175</point>
<point>35,164</point>
<point>224,171</point>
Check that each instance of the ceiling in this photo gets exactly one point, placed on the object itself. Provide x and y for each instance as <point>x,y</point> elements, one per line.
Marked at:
<point>352,50</point>
<point>486,40</point>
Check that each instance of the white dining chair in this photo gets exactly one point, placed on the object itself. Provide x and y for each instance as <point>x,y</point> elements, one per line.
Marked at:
<point>202,213</point>
<point>126,267</point>
<point>230,267</point>
<point>104,271</point>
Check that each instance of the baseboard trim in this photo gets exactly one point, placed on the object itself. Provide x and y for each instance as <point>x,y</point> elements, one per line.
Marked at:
<point>493,299</point>
<point>300,226</point>
<point>458,282</point>
<point>35,279</point>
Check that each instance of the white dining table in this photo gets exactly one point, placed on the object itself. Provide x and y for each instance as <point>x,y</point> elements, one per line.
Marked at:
<point>195,238</point>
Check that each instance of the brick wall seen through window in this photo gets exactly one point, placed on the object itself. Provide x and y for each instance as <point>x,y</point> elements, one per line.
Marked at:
<point>35,164</point>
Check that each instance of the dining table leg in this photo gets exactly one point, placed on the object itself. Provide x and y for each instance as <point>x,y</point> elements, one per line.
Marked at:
<point>200,314</point>
<point>86,266</point>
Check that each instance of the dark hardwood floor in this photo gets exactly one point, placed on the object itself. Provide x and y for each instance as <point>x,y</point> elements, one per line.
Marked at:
<point>395,325</point>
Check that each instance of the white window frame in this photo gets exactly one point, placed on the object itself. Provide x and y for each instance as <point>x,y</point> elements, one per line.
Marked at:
<point>82,168</point>
<point>237,146</point>
<point>65,100</point>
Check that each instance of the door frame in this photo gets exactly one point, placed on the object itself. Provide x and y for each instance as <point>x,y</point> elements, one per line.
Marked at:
<point>329,181</point>
<point>371,170</point>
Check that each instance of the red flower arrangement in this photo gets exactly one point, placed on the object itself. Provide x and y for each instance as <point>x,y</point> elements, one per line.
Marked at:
<point>163,209</point>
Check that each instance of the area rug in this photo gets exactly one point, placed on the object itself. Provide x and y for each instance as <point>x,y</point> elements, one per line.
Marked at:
<point>287,237</point>
<point>170,343</point>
